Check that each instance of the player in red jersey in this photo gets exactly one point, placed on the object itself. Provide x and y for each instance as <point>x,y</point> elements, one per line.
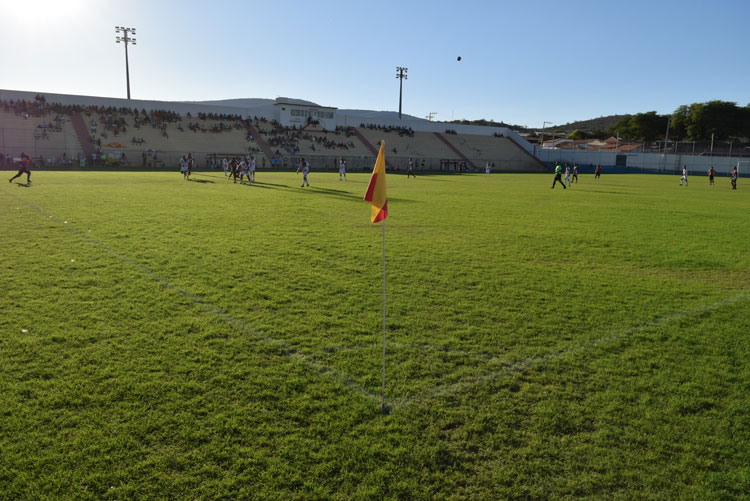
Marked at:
<point>24,167</point>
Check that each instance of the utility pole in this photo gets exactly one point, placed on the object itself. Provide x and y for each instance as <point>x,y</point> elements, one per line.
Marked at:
<point>126,40</point>
<point>541,141</point>
<point>401,75</point>
<point>431,115</point>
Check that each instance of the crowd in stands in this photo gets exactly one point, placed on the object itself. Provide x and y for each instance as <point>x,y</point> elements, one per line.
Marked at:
<point>45,128</point>
<point>450,131</point>
<point>216,116</point>
<point>25,109</point>
<point>402,131</point>
<point>219,127</point>
<point>287,138</point>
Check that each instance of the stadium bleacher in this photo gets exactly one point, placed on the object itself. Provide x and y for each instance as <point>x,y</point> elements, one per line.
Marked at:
<point>38,136</point>
<point>134,137</point>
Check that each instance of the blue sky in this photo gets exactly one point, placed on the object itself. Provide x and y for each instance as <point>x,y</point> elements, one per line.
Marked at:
<point>522,62</point>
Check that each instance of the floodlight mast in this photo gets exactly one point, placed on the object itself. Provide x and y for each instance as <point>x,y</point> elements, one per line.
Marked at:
<point>401,75</point>
<point>126,39</point>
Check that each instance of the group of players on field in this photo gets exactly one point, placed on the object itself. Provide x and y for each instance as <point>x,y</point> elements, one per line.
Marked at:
<point>242,168</point>
<point>245,168</point>
<point>568,172</point>
<point>573,174</point>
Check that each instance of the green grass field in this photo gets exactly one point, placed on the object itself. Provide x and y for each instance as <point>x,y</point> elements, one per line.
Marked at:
<point>164,339</point>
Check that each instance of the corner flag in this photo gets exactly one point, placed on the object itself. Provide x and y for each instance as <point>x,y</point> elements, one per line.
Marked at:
<point>376,189</point>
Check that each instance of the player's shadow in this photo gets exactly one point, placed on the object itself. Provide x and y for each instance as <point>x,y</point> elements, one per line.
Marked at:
<point>202,181</point>
<point>333,193</point>
<point>23,185</point>
<point>265,186</point>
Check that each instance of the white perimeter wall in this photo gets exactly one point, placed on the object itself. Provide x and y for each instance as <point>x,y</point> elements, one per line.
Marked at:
<point>657,162</point>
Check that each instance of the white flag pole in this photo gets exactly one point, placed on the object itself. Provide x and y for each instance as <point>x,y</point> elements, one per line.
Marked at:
<point>382,389</point>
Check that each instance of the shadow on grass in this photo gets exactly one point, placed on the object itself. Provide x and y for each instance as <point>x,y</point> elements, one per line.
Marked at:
<point>265,186</point>
<point>331,193</point>
<point>202,181</point>
<point>23,185</point>
<point>609,192</point>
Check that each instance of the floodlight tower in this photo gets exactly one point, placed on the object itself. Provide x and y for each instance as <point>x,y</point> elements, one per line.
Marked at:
<point>126,40</point>
<point>401,75</point>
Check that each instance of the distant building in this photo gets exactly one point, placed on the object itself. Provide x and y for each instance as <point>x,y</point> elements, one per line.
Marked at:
<point>298,115</point>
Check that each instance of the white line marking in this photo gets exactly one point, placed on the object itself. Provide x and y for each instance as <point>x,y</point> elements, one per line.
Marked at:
<point>502,367</point>
<point>287,351</point>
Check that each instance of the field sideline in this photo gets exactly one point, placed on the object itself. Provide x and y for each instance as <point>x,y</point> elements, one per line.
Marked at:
<point>163,338</point>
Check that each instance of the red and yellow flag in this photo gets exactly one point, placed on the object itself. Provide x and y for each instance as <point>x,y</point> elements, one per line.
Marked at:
<point>376,189</point>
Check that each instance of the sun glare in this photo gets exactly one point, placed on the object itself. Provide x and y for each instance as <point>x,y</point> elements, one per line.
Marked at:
<point>43,13</point>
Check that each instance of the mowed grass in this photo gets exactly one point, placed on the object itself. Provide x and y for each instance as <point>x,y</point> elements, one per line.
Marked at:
<point>204,340</point>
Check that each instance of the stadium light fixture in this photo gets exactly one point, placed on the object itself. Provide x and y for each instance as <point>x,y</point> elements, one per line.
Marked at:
<point>126,38</point>
<point>401,75</point>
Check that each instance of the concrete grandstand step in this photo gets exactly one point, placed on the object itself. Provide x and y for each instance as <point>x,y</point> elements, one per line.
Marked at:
<point>369,146</point>
<point>258,139</point>
<point>83,135</point>
<point>455,150</point>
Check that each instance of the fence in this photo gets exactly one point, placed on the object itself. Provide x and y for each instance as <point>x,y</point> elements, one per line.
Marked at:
<point>16,141</point>
<point>354,163</point>
<point>651,162</point>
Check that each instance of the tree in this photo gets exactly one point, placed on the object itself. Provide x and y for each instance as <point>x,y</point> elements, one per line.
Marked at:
<point>723,119</point>
<point>680,122</point>
<point>577,135</point>
<point>644,126</point>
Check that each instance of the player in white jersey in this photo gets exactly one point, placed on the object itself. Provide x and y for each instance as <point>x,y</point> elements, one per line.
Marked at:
<point>305,168</point>
<point>244,171</point>
<point>567,175</point>
<point>342,169</point>
<point>252,170</point>
<point>487,168</point>
<point>684,175</point>
<point>410,169</point>
<point>184,167</point>
<point>225,164</point>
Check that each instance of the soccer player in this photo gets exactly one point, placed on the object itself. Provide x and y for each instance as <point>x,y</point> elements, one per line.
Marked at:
<point>234,166</point>
<point>305,169</point>
<point>597,172</point>
<point>558,175</point>
<point>342,169</point>
<point>734,177</point>
<point>225,164</point>
<point>684,175</point>
<point>575,172</point>
<point>410,170</point>
<point>567,175</point>
<point>183,167</point>
<point>244,171</point>
<point>24,167</point>
<point>190,162</point>
<point>252,170</point>
<point>711,174</point>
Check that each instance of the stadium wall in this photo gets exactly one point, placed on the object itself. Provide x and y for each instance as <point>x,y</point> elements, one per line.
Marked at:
<point>271,110</point>
<point>646,162</point>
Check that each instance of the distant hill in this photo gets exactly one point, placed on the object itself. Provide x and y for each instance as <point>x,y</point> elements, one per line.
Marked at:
<point>594,124</point>
<point>489,123</point>
<point>251,102</point>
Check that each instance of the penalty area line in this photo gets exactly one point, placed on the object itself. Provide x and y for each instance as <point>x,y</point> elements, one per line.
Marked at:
<point>287,351</point>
